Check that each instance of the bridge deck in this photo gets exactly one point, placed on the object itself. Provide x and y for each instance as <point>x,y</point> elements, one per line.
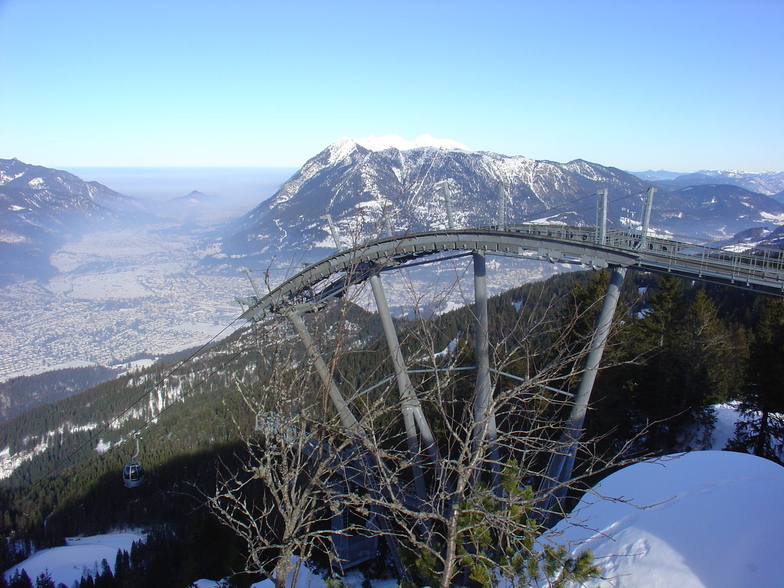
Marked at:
<point>754,269</point>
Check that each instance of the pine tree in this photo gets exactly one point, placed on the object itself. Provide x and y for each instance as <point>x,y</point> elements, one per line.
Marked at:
<point>763,395</point>
<point>44,580</point>
<point>105,579</point>
<point>693,361</point>
<point>20,580</point>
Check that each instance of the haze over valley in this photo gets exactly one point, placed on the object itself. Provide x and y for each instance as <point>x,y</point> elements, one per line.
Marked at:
<point>157,274</point>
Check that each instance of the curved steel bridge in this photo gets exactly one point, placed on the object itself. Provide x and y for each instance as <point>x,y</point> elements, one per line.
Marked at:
<point>758,269</point>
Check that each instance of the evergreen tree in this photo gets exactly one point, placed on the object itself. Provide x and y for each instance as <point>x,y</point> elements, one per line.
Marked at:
<point>44,580</point>
<point>20,580</point>
<point>763,395</point>
<point>693,360</point>
<point>105,579</point>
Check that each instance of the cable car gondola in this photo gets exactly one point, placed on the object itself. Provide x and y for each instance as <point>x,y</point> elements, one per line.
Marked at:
<point>133,474</point>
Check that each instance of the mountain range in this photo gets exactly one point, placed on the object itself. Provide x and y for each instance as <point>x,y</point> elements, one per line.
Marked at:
<point>371,187</point>
<point>768,183</point>
<point>41,207</point>
<point>368,187</point>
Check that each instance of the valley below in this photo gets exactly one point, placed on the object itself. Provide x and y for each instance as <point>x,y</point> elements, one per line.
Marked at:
<point>119,295</point>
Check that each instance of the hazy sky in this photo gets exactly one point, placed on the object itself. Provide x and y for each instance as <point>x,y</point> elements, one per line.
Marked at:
<point>679,85</point>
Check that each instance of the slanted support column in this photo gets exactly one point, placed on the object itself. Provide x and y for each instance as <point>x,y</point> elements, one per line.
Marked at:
<point>413,416</point>
<point>602,228</point>
<point>347,418</point>
<point>450,221</point>
<point>485,426</point>
<point>560,468</point>
<point>646,216</point>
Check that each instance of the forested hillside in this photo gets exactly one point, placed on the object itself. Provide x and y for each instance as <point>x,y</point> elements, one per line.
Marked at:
<point>19,395</point>
<point>677,348</point>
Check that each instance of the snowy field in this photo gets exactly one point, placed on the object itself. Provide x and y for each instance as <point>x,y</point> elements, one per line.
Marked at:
<point>701,519</point>
<point>80,556</point>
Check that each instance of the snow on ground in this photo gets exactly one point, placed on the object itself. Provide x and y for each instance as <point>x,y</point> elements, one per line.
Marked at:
<point>80,555</point>
<point>700,519</point>
<point>307,579</point>
<point>726,418</point>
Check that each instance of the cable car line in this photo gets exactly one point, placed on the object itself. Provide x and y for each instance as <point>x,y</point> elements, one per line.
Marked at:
<point>147,393</point>
<point>89,462</point>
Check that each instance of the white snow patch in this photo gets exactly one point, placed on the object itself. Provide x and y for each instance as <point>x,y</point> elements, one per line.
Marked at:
<point>738,247</point>
<point>705,518</point>
<point>134,366</point>
<point>774,218</point>
<point>395,141</point>
<point>103,446</point>
<point>80,555</point>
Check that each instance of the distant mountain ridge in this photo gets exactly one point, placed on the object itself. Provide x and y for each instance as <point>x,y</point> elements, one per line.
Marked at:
<point>767,183</point>
<point>40,207</point>
<point>369,186</point>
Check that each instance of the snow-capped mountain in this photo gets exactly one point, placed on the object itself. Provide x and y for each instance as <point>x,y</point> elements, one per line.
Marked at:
<point>768,183</point>
<point>655,175</point>
<point>370,186</point>
<point>725,208</point>
<point>373,186</point>
<point>39,207</point>
<point>36,195</point>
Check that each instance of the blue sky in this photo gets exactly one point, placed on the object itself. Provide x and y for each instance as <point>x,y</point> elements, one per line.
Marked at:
<point>680,85</point>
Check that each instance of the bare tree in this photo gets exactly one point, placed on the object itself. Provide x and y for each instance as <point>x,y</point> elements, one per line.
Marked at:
<point>276,496</point>
<point>449,470</point>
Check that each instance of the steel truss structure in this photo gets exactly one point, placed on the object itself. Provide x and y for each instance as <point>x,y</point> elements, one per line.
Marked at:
<point>310,289</point>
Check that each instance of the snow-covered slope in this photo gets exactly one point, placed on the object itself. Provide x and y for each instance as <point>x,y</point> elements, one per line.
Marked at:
<point>80,556</point>
<point>702,519</point>
<point>373,185</point>
<point>768,182</point>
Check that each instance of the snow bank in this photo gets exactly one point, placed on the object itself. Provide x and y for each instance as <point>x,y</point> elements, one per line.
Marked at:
<point>307,579</point>
<point>80,555</point>
<point>701,519</point>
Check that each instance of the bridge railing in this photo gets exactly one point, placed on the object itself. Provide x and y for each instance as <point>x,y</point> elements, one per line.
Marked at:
<point>753,264</point>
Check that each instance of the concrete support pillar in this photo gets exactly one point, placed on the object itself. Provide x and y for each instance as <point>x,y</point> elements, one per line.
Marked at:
<point>561,464</point>
<point>484,420</point>
<point>646,216</point>
<point>602,237</point>
<point>347,418</point>
<point>450,221</point>
<point>501,206</point>
<point>413,416</point>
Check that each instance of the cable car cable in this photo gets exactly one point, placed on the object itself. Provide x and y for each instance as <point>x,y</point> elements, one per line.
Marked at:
<point>147,393</point>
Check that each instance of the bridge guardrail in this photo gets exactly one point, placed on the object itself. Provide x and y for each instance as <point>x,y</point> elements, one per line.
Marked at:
<point>753,264</point>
